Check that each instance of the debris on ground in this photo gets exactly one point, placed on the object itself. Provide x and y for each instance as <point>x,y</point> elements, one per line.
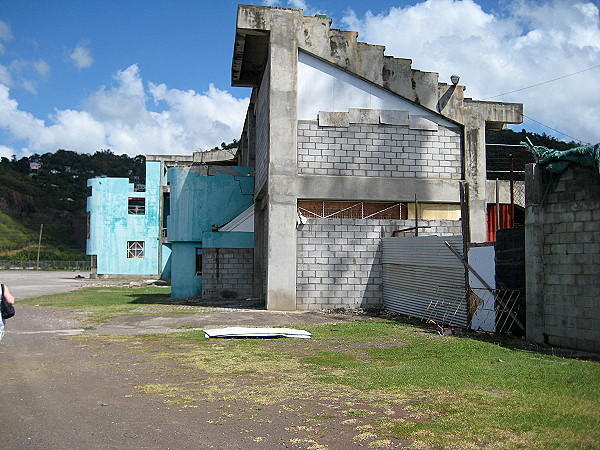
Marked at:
<point>245,332</point>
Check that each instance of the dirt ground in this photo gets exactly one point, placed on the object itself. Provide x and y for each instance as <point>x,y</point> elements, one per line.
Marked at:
<point>61,388</point>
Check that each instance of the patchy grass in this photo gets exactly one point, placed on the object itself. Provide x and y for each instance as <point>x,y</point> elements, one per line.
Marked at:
<point>390,383</point>
<point>104,303</point>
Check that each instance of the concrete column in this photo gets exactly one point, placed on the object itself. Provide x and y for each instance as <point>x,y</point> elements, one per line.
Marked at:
<point>259,248</point>
<point>281,184</point>
<point>475,175</point>
<point>534,254</point>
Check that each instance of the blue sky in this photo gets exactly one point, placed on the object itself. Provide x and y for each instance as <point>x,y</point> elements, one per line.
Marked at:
<point>153,76</point>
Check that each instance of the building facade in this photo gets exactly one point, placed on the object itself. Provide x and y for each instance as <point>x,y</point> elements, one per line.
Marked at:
<point>190,224</point>
<point>208,260</point>
<point>124,225</point>
<point>348,144</point>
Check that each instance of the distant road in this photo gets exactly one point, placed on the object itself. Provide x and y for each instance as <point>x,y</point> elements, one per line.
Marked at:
<point>34,283</point>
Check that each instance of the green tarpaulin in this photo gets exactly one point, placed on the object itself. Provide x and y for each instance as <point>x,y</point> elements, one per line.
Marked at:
<point>557,161</point>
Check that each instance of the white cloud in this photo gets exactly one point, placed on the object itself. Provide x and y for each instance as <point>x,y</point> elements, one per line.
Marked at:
<point>5,77</point>
<point>531,42</point>
<point>21,73</point>
<point>6,152</point>
<point>24,73</point>
<point>5,35</point>
<point>81,56</point>
<point>121,118</point>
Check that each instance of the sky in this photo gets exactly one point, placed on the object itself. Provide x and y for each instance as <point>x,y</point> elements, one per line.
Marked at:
<point>154,76</point>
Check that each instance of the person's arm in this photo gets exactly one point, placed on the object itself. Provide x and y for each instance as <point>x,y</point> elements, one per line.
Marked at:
<point>8,296</point>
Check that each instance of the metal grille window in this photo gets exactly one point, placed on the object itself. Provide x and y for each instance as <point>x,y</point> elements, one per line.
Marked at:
<point>135,249</point>
<point>136,205</point>
<point>198,261</point>
<point>326,209</point>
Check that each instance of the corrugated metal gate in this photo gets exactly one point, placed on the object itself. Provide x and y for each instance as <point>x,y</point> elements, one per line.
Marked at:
<point>423,279</point>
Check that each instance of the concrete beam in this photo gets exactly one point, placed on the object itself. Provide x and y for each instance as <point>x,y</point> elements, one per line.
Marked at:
<point>497,112</point>
<point>503,188</point>
<point>377,189</point>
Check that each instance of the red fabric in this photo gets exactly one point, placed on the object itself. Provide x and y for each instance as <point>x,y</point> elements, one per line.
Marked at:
<point>505,220</point>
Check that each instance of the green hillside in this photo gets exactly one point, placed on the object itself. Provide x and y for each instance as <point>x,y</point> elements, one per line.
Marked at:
<point>51,190</point>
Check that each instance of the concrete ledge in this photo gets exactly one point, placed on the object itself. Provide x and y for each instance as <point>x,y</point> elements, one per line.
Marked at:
<point>393,117</point>
<point>361,115</point>
<point>421,123</point>
<point>377,188</point>
<point>333,119</point>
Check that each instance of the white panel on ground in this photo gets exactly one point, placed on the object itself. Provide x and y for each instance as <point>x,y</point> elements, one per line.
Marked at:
<point>241,332</point>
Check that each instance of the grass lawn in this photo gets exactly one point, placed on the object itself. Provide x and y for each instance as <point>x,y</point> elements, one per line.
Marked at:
<point>104,303</point>
<point>456,392</point>
<point>396,380</point>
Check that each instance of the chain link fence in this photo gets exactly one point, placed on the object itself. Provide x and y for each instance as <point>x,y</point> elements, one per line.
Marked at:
<point>82,266</point>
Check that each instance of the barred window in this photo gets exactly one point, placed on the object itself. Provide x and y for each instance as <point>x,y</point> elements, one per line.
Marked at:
<point>136,205</point>
<point>327,209</point>
<point>135,249</point>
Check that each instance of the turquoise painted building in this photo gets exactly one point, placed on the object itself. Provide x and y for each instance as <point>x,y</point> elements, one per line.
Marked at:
<point>205,259</point>
<point>191,223</point>
<point>124,225</point>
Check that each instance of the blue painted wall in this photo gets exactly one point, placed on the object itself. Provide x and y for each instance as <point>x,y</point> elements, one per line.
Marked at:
<point>201,196</point>
<point>184,282</point>
<point>111,227</point>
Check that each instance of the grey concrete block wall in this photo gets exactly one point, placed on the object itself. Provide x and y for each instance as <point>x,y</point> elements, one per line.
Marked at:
<point>227,273</point>
<point>377,150</point>
<point>563,262</point>
<point>339,260</point>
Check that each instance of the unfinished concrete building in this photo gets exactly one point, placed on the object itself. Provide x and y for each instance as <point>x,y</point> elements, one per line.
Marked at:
<point>344,139</point>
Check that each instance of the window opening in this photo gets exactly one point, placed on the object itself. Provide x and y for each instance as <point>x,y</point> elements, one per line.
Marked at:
<point>135,249</point>
<point>87,226</point>
<point>136,205</point>
<point>198,261</point>
<point>325,209</point>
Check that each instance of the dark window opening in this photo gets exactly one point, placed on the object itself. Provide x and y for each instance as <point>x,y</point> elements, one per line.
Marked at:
<point>198,261</point>
<point>136,205</point>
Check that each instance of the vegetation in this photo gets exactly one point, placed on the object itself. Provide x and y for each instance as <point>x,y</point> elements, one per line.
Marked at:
<point>103,304</point>
<point>515,138</point>
<point>51,189</point>
<point>232,145</point>
<point>387,383</point>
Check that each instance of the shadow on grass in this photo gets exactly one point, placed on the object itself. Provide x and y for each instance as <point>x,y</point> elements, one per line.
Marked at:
<point>501,339</point>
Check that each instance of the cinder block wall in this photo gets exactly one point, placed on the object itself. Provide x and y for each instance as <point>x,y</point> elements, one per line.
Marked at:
<point>339,260</point>
<point>227,273</point>
<point>378,151</point>
<point>563,262</point>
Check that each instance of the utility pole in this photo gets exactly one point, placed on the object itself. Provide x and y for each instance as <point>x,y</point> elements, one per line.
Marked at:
<point>39,246</point>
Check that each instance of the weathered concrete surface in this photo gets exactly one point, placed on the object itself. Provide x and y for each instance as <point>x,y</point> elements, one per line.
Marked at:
<point>267,44</point>
<point>159,318</point>
<point>562,247</point>
<point>61,392</point>
<point>35,283</point>
<point>213,318</point>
